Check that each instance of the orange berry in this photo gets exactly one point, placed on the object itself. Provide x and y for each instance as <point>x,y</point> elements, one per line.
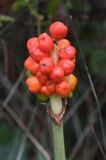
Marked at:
<point>72,80</point>
<point>63,43</point>
<point>31,65</point>
<point>33,84</point>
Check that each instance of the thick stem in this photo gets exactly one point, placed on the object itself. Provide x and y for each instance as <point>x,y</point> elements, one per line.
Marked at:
<point>58,136</point>
<point>58,140</point>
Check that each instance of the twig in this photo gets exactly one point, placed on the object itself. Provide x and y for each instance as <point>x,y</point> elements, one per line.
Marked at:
<point>79,143</point>
<point>28,134</point>
<point>22,146</point>
<point>83,135</point>
<point>91,84</point>
<point>11,93</point>
<point>8,85</point>
<point>6,61</point>
<point>77,125</point>
<point>97,141</point>
<point>17,95</point>
<point>76,105</point>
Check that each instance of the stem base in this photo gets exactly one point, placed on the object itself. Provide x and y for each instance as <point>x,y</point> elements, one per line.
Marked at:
<point>57,118</point>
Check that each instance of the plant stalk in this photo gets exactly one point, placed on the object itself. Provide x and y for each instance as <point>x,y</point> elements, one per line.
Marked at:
<point>58,140</point>
<point>58,135</point>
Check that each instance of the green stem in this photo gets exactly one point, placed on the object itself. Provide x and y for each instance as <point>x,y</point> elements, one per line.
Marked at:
<point>58,140</point>
<point>58,136</point>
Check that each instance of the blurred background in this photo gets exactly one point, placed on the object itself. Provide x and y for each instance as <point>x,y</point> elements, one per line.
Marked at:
<point>25,130</point>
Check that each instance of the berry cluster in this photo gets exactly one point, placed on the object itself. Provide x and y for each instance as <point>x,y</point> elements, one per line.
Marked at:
<point>51,62</point>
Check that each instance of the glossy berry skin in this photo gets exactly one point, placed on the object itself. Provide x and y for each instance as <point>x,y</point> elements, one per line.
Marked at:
<point>31,65</point>
<point>42,78</point>
<point>51,86</point>
<point>72,80</point>
<point>45,91</point>
<point>63,88</point>
<point>37,54</point>
<point>46,65</point>
<point>58,30</point>
<point>33,84</point>
<point>57,74</point>
<point>67,53</point>
<point>45,43</point>
<point>50,64</point>
<point>63,43</point>
<point>32,44</point>
<point>67,66</point>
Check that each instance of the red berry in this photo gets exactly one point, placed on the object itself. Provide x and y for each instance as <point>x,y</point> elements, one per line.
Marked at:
<point>58,30</point>
<point>51,86</point>
<point>32,44</point>
<point>67,66</point>
<point>42,78</point>
<point>46,65</point>
<point>68,53</point>
<point>33,84</point>
<point>45,91</point>
<point>37,55</point>
<point>57,74</point>
<point>31,65</point>
<point>45,43</point>
<point>63,43</point>
<point>63,88</point>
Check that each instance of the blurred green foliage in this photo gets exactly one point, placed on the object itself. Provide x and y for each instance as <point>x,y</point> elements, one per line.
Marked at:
<point>5,132</point>
<point>20,4</point>
<point>52,7</point>
<point>98,61</point>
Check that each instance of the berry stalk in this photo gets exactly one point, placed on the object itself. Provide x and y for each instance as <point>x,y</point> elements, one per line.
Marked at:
<point>58,140</point>
<point>57,130</point>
